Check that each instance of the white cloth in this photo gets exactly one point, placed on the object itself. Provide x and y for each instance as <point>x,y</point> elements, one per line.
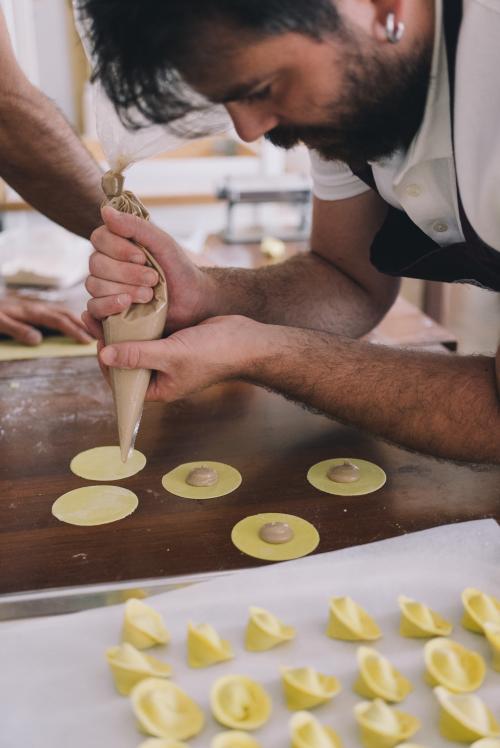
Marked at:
<point>422,181</point>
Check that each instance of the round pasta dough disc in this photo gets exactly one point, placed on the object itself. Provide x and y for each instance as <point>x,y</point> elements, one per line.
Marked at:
<point>175,481</point>
<point>94,505</point>
<point>105,463</point>
<point>245,536</point>
<point>371,478</point>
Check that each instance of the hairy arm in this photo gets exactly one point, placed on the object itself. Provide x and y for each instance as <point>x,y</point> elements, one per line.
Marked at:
<point>332,287</point>
<point>40,155</point>
<point>439,404</point>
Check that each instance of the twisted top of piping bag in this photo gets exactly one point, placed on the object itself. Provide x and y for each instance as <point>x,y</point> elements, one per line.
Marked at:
<point>120,199</point>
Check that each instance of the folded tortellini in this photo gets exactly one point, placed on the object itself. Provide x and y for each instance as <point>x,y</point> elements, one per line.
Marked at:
<point>382,726</point>
<point>451,665</point>
<point>492,633</point>
<point>240,703</point>
<point>164,710</point>
<point>234,739</point>
<point>349,622</point>
<point>264,631</point>
<point>307,732</point>
<point>479,609</point>
<point>205,647</point>
<point>143,627</point>
<point>464,718</point>
<point>129,666</point>
<point>418,621</point>
<point>161,743</point>
<point>305,688</point>
<point>378,678</point>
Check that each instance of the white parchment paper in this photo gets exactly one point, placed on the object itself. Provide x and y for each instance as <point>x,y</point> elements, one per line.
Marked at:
<point>56,692</point>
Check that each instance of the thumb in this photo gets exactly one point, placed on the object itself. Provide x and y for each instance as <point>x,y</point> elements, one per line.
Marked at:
<point>149,355</point>
<point>132,227</point>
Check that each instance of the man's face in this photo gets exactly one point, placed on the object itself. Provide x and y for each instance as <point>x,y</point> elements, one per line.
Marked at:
<point>348,97</point>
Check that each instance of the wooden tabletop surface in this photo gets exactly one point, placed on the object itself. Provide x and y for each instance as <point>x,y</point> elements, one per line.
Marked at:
<point>52,409</point>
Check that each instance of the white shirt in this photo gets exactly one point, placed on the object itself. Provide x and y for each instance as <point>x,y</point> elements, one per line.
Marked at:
<point>422,181</point>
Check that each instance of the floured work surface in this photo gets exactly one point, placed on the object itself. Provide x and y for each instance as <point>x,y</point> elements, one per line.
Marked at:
<point>56,682</point>
<point>52,409</point>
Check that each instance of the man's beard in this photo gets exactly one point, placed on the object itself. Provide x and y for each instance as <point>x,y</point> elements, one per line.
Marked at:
<point>380,111</point>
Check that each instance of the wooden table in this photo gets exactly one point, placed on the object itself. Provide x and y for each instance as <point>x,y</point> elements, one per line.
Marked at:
<point>52,409</point>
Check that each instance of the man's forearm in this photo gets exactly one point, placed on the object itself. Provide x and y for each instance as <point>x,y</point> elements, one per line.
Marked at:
<point>305,291</point>
<point>438,404</point>
<point>43,160</point>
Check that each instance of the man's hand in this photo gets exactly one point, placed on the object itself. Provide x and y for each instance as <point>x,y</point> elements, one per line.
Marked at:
<point>18,317</point>
<point>192,359</point>
<point>119,276</point>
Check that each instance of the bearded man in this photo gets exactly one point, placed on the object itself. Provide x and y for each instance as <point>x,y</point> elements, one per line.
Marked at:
<point>398,103</point>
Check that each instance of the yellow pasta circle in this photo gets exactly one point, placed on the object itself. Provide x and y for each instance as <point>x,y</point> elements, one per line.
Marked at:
<point>94,505</point>
<point>245,536</point>
<point>105,463</point>
<point>175,481</point>
<point>372,477</point>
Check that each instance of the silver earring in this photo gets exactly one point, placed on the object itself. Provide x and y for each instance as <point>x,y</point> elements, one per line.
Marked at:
<point>394,31</point>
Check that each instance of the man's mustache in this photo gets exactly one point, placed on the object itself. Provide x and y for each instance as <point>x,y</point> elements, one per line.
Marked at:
<point>288,137</point>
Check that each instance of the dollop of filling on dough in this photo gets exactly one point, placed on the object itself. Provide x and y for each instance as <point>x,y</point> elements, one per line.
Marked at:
<point>346,473</point>
<point>202,476</point>
<point>276,533</point>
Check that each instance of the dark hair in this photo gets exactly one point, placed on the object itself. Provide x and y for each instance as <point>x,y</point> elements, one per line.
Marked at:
<point>139,46</point>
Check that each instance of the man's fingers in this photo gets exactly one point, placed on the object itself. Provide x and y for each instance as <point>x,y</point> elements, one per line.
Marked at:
<point>109,269</point>
<point>137,229</point>
<point>19,331</point>
<point>108,305</point>
<point>116,246</point>
<point>99,288</point>
<point>93,326</point>
<point>150,355</point>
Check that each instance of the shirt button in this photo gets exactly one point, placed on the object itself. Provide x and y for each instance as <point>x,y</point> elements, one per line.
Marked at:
<point>414,190</point>
<point>440,227</point>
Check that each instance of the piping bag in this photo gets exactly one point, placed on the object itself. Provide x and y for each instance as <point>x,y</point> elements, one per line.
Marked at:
<point>140,322</point>
<point>122,147</point>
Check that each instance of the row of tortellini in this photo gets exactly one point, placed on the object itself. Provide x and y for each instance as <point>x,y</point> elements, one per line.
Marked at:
<point>447,663</point>
<point>348,621</point>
